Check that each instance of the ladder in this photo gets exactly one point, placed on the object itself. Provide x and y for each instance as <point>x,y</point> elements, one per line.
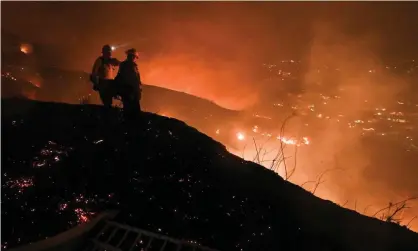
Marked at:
<point>114,236</point>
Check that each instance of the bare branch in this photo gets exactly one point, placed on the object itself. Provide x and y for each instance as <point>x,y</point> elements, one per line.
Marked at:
<point>395,204</point>
<point>306,182</point>
<point>391,218</point>
<point>258,153</point>
<point>365,209</point>
<point>282,128</point>
<point>264,155</point>
<point>317,185</point>
<point>318,182</point>
<point>243,151</point>
<point>413,218</point>
<point>294,165</point>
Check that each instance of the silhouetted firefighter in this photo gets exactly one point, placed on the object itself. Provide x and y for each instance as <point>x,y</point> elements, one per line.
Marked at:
<point>102,75</point>
<point>128,81</point>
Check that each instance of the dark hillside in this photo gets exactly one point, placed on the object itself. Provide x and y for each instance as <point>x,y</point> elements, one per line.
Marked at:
<point>61,163</point>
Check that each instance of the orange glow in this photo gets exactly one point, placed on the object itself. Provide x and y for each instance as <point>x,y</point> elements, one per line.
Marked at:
<point>164,114</point>
<point>30,94</point>
<point>255,129</point>
<point>205,59</point>
<point>35,81</point>
<point>215,81</point>
<point>240,136</point>
<point>26,48</point>
<point>287,141</point>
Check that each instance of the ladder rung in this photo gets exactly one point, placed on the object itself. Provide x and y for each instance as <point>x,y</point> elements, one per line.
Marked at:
<point>149,243</point>
<point>163,246</point>
<point>111,235</point>
<point>105,246</point>
<point>103,230</point>
<point>123,238</point>
<point>136,241</point>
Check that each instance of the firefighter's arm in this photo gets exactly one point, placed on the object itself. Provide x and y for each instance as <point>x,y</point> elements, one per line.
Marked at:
<point>96,66</point>
<point>118,75</point>
<point>138,75</point>
<point>115,62</point>
<point>95,71</point>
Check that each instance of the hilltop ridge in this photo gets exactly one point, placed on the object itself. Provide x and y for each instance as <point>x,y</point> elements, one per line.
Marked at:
<point>183,183</point>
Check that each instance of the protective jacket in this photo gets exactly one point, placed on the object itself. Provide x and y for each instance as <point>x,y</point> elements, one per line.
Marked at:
<point>129,75</point>
<point>103,69</point>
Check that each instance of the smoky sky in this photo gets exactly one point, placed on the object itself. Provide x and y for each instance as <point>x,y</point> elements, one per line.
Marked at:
<point>266,30</point>
<point>208,49</point>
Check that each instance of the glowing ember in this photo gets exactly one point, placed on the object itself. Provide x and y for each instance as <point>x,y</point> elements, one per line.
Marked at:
<point>255,128</point>
<point>8,75</point>
<point>98,141</point>
<point>261,116</point>
<point>240,136</point>
<point>63,206</point>
<point>52,153</point>
<point>82,215</point>
<point>20,183</point>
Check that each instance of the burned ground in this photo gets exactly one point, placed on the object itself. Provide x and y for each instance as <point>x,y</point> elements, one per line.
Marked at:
<point>61,165</point>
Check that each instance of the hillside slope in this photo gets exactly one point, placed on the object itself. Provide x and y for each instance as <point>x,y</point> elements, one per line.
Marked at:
<point>59,85</point>
<point>61,164</point>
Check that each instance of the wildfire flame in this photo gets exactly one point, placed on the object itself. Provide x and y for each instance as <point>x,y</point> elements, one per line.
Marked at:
<point>240,136</point>
<point>287,141</point>
<point>26,48</point>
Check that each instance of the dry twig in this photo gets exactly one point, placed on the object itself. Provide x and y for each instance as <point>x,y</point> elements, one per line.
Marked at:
<point>409,223</point>
<point>395,204</point>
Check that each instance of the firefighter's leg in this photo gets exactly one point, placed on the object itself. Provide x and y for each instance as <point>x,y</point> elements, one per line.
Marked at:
<point>131,111</point>
<point>105,93</point>
<point>124,94</point>
<point>106,98</point>
<point>135,108</point>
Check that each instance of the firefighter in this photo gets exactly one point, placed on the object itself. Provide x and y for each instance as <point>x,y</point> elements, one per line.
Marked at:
<point>128,81</point>
<point>102,75</point>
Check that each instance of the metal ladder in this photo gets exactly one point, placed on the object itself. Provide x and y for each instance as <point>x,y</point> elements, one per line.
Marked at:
<point>119,237</point>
